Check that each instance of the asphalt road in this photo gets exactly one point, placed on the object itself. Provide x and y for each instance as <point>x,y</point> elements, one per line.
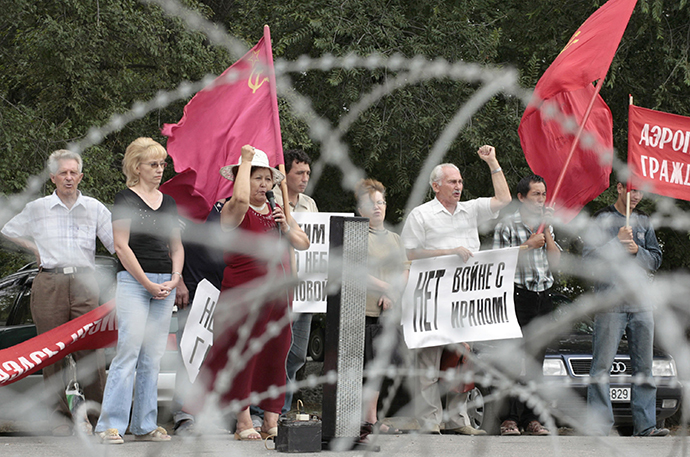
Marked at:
<point>398,445</point>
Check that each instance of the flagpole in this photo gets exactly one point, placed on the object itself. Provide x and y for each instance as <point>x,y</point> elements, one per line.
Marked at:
<point>628,186</point>
<point>279,147</point>
<point>580,129</point>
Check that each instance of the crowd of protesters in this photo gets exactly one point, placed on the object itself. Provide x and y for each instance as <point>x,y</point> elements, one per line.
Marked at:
<point>156,271</point>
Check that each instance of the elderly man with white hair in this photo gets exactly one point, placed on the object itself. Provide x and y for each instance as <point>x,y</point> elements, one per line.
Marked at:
<point>61,230</point>
<point>446,226</point>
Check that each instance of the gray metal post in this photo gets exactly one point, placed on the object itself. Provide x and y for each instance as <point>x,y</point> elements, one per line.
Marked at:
<point>344,342</point>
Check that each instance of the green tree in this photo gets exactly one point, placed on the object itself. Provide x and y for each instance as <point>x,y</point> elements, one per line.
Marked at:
<point>391,139</point>
<point>70,65</point>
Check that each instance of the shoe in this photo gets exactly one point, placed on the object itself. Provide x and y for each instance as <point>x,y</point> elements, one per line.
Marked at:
<point>110,436</point>
<point>271,433</point>
<point>466,430</point>
<point>657,432</point>
<point>535,428</point>
<point>62,430</point>
<point>249,434</point>
<point>158,435</point>
<point>184,427</point>
<point>509,428</point>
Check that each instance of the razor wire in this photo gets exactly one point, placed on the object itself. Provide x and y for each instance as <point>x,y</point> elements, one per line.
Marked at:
<point>496,371</point>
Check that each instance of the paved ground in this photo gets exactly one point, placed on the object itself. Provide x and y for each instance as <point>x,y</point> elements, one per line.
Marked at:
<point>399,445</point>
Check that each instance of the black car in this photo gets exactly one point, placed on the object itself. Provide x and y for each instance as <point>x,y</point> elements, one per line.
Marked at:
<point>16,326</point>
<point>566,367</point>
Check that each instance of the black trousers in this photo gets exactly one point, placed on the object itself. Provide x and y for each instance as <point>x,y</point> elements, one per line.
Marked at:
<point>528,307</point>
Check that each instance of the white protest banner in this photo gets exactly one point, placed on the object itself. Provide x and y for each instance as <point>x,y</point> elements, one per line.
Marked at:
<point>197,337</point>
<point>312,264</point>
<point>449,301</point>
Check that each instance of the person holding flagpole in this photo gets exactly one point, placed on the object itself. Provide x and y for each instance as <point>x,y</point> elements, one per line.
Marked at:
<point>539,255</point>
<point>257,370</point>
<point>621,257</point>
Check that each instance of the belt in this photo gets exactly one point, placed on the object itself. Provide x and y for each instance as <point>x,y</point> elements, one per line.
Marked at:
<point>543,293</point>
<point>66,270</point>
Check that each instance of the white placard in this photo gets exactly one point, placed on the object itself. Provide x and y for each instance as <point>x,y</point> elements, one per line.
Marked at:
<point>197,337</point>
<point>312,265</point>
<point>449,301</point>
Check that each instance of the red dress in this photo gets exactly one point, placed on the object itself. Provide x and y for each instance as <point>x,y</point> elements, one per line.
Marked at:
<point>267,367</point>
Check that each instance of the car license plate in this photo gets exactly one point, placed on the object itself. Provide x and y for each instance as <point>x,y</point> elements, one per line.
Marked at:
<point>619,394</point>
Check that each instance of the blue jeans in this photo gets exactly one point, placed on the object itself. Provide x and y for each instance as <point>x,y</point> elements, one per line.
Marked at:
<point>143,325</point>
<point>297,356</point>
<point>608,330</point>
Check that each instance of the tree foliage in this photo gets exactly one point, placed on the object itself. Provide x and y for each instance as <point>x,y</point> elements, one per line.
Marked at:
<point>69,65</point>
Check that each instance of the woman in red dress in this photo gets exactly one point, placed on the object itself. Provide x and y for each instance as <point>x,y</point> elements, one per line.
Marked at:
<point>245,273</point>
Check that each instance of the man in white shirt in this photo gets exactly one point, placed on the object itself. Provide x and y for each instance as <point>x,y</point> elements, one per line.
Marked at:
<point>446,226</point>
<point>297,173</point>
<point>61,230</point>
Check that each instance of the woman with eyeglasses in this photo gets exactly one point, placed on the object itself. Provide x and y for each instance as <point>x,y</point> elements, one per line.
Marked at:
<point>146,230</point>
<point>387,274</point>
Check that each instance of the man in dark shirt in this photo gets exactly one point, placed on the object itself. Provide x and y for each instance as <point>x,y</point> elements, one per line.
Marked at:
<point>621,258</point>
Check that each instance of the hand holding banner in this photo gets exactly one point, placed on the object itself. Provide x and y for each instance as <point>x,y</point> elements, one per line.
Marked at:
<point>449,301</point>
<point>197,337</point>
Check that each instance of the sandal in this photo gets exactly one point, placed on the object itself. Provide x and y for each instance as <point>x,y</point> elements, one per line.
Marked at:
<point>248,434</point>
<point>509,428</point>
<point>271,433</point>
<point>389,429</point>
<point>110,436</point>
<point>158,435</point>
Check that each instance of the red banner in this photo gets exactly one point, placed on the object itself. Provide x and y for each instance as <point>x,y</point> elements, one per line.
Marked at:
<point>561,96</point>
<point>658,152</point>
<point>240,107</point>
<point>93,330</point>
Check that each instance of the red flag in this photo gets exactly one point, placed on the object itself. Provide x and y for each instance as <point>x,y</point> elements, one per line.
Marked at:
<point>565,91</point>
<point>240,107</point>
<point>93,330</point>
<point>658,148</point>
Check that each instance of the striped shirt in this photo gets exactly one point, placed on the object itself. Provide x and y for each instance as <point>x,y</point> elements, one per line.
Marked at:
<point>65,237</point>
<point>532,272</point>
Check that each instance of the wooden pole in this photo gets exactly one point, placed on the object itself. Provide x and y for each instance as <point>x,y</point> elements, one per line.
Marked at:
<point>627,187</point>
<point>580,129</point>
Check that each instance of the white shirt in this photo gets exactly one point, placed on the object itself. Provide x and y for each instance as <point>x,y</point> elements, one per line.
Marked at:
<point>431,226</point>
<point>65,237</point>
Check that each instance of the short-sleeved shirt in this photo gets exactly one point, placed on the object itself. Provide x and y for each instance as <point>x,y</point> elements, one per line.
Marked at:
<point>150,229</point>
<point>65,237</point>
<point>431,226</point>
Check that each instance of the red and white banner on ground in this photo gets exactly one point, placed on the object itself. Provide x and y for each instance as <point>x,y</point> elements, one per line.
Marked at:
<point>659,152</point>
<point>94,330</point>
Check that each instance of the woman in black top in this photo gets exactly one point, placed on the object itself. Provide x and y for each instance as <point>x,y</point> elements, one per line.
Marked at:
<point>147,241</point>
